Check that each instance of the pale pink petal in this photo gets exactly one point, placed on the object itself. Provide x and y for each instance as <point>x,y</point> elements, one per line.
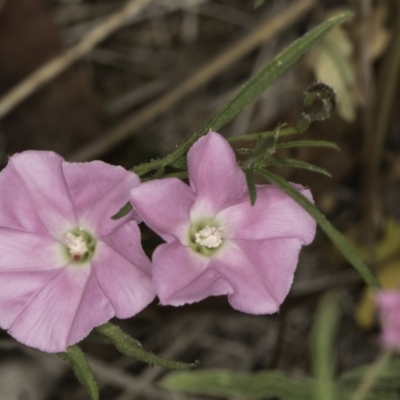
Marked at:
<point>180,276</point>
<point>260,272</point>
<point>17,291</point>
<point>274,215</point>
<point>99,191</point>
<point>42,176</point>
<point>21,251</point>
<point>214,174</point>
<point>164,205</point>
<point>123,271</point>
<point>94,309</point>
<point>45,322</point>
<point>389,306</point>
<point>17,209</point>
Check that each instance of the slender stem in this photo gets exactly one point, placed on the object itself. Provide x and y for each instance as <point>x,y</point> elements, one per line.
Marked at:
<point>168,159</point>
<point>371,376</point>
<point>180,151</point>
<point>263,135</point>
<point>180,175</point>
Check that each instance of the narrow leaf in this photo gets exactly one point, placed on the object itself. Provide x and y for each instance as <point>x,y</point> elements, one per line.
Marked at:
<point>337,238</point>
<point>76,359</point>
<point>223,383</point>
<point>271,72</point>
<point>255,386</point>
<point>251,186</point>
<point>322,346</point>
<point>307,143</point>
<point>123,211</point>
<point>292,162</point>
<point>254,87</point>
<point>129,346</point>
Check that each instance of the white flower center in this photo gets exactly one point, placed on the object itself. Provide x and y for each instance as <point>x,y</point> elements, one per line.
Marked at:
<point>77,246</point>
<point>210,237</point>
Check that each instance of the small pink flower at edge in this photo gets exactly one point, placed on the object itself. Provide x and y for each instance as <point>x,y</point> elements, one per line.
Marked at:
<point>65,265</point>
<point>216,242</point>
<point>388,302</point>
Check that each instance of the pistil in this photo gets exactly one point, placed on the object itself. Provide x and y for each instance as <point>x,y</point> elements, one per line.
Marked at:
<point>209,236</point>
<point>77,246</point>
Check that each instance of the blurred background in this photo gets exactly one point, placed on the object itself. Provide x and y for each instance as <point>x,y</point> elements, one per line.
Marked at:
<point>157,77</point>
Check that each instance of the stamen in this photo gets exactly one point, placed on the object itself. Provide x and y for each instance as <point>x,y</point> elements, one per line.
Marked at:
<point>77,246</point>
<point>210,237</point>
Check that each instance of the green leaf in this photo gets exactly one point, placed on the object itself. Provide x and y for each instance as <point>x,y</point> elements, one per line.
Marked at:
<point>259,385</point>
<point>258,3</point>
<point>123,211</point>
<point>251,186</point>
<point>129,346</point>
<point>271,72</point>
<point>308,143</point>
<point>322,345</point>
<point>76,359</point>
<point>255,386</point>
<point>337,238</point>
<point>292,162</point>
<point>253,88</point>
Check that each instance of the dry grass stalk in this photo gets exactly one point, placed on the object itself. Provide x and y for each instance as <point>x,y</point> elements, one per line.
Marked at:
<point>201,76</point>
<point>54,67</point>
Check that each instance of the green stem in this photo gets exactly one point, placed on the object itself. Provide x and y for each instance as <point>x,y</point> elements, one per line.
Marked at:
<point>168,159</point>
<point>182,150</point>
<point>371,376</point>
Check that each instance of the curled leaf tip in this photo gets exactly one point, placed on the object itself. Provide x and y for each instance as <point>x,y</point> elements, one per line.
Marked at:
<point>319,101</point>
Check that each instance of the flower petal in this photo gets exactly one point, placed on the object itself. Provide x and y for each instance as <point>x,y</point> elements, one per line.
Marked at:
<point>17,290</point>
<point>22,251</point>
<point>260,272</point>
<point>99,191</point>
<point>181,277</point>
<point>46,321</point>
<point>214,175</point>
<point>41,174</point>
<point>94,309</point>
<point>123,271</point>
<point>274,215</point>
<point>28,184</point>
<point>164,205</point>
<point>389,306</point>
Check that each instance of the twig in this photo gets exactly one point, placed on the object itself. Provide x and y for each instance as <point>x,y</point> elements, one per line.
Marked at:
<point>2,4</point>
<point>54,67</point>
<point>372,198</point>
<point>267,30</point>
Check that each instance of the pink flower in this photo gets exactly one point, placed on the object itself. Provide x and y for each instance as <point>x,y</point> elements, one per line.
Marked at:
<point>388,302</point>
<point>216,242</point>
<point>65,265</point>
